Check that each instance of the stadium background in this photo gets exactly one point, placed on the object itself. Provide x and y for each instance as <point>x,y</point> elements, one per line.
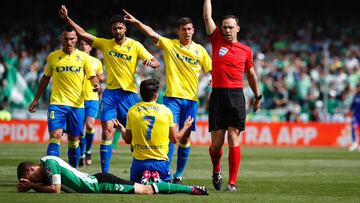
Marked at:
<point>306,55</point>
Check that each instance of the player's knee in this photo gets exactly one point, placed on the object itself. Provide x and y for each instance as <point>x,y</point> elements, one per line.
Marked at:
<point>143,189</point>
<point>107,133</point>
<point>89,125</point>
<point>147,190</point>
<point>184,140</point>
<point>217,144</point>
<point>56,134</point>
<point>215,147</point>
<point>74,138</point>
<point>234,139</point>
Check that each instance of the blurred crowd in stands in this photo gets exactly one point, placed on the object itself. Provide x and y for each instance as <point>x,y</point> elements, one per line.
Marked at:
<point>308,68</point>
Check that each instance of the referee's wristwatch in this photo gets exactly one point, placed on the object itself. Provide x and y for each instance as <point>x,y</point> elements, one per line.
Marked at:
<point>258,97</point>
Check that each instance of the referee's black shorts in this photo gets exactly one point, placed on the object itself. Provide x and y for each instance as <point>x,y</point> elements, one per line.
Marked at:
<point>227,109</point>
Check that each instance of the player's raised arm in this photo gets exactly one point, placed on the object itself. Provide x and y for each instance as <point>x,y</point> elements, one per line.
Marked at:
<point>88,38</point>
<point>148,31</point>
<point>209,22</point>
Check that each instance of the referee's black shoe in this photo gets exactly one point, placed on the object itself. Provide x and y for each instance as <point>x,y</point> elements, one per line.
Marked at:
<point>217,180</point>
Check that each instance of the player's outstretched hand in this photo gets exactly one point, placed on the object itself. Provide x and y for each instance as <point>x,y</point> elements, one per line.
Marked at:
<point>63,13</point>
<point>149,63</point>
<point>117,123</point>
<point>189,121</point>
<point>32,106</point>
<point>119,126</point>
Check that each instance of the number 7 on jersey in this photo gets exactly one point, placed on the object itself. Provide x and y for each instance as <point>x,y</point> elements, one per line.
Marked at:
<point>150,126</point>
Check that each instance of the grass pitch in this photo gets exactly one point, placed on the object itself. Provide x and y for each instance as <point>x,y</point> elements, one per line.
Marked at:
<point>267,174</point>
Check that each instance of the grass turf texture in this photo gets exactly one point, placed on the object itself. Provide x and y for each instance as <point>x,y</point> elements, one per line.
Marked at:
<point>267,174</point>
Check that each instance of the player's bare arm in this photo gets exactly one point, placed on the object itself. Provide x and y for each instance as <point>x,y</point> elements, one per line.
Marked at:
<point>252,79</point>
<point>147,30</point>
<point>42,86</point>
<point>63,13</point>
<point>100,77</point>
<point>209,22</point>
<point>176,136</point>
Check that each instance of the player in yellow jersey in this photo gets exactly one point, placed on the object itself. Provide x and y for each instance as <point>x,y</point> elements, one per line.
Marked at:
<point>121,55</point>
<point>184,59</point>
<point>68,67</point>
<point>149,129</point>
<point>91,107</point>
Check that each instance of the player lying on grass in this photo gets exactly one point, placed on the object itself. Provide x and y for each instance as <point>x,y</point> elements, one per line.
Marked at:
<point>53,175</point>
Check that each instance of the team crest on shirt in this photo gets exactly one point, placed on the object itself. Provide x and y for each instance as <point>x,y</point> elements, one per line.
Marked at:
<point>128,48</point>
<point>196,52</point>
<point>223,51</point>
<point>77,58</point>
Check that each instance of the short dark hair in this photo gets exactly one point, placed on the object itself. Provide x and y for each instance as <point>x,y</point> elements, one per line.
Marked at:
<point>233,17</point>
<point>117,19</point>
<point>68,28</point>
<point>148,88</point>
<point>183,21</point>
<point>22,169</point>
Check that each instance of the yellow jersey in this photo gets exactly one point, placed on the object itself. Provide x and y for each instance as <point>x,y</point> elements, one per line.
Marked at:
<point>149,123</point>
<point>89,94</point>
<point>69,73</point>
<point>182,67</point>
<point>121,61</point>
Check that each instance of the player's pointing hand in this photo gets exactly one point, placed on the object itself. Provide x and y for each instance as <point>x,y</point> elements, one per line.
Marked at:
<point>63,13</point>
<point>129,18</point>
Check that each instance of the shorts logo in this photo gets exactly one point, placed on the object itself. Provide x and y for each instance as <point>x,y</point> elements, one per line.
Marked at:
<point>51,115</point>
<point>223,51</point>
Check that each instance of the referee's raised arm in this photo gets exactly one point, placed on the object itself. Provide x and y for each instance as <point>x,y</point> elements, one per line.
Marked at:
<point>209,22</point>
